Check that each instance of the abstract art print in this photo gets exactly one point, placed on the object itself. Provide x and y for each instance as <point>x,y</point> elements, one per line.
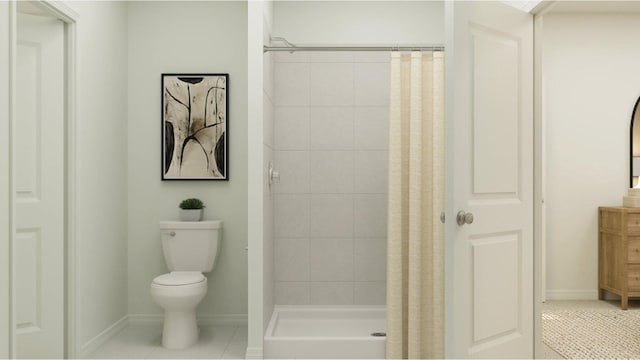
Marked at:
<point>195,126</point>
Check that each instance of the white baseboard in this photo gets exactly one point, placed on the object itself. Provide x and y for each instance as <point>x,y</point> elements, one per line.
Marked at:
<point>206,320</point>
<point>253,353</point>
<point>91,345</point>
<point>572,294</point>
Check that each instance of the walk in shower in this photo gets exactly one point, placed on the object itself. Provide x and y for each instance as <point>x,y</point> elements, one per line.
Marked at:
<point>329,199</point>
<point>330,148</point>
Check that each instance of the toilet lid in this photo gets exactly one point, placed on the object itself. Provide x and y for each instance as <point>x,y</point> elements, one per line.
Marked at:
<point>177,278</point>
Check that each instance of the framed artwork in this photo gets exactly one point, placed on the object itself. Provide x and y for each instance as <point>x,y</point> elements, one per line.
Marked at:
<point>195,128</point>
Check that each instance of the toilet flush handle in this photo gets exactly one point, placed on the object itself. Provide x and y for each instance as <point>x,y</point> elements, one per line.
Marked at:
<point>173,233</point>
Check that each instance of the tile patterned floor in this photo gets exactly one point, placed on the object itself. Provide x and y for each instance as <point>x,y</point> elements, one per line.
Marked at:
<point>548,352</point>
<point>144,342</point>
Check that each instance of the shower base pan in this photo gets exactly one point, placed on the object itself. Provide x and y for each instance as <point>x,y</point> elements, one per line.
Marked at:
<point>326,332</point>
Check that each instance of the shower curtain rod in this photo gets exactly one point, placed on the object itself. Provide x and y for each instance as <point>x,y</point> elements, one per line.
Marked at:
<point>354,48</point>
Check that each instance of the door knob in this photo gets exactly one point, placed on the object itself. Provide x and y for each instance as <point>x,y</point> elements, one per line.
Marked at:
<point>464,218</point>
<point>273,175</point>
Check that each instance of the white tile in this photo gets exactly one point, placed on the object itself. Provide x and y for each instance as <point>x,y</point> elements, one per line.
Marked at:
<point>287,57</point>
<point>372,82</point>
<point>241,334</point>
<point>332,293</point>
<point>135,342</point>
<point>292,260</point>
<point>268,254</point>
<point>267,208</point>
<point>291,84</point>
<point>211,344</point>
<point>371,172</point>
<point>267,74</point>
<point>291,214</point>
<point>331,84</point>
<point>293,167</point>
<point>372,56</point>
<point>371,128</point>
<point>292,293</point>
<point>330,172</point>
<point>370,293</point>
<point>144,341</point>
<point>370,218</point>
<point>237,348</point>
<point>370,259</point>
<point>291,128</point>
<point>331,216</point>
<point>331,259</point>
<point>331,128</point>
<point>267,156</point>
<point>332,56</point>
<point>268,124</point>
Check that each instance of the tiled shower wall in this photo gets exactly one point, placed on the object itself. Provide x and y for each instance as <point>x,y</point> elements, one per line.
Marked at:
<point>331,148</point>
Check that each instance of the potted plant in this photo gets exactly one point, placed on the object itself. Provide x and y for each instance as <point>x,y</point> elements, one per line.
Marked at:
<point>191,209</point>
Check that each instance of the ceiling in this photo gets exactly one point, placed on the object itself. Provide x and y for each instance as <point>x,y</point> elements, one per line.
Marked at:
<point>570,6</point>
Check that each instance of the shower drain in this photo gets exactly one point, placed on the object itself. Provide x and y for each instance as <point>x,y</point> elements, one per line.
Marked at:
<point>379,334</point>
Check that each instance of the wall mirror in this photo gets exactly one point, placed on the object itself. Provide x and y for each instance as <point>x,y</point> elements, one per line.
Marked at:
<point>634,158</point>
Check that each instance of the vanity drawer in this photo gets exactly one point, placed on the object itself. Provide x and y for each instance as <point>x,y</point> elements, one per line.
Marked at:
<point>633,222</point>
<point>633,280</point>
<point>633,251</point>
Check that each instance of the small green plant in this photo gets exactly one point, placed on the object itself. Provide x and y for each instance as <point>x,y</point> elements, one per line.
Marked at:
<point>191,204</point>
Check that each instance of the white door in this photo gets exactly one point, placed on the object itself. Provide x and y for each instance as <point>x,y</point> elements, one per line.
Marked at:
<point>491,165</point>
<point>39,173</point>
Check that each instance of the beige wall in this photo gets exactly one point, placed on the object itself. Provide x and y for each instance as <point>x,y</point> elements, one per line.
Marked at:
<point>162,38</point>
<point>101,191</point>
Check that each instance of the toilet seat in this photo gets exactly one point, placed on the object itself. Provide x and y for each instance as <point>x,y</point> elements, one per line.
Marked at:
<point>179,278</point>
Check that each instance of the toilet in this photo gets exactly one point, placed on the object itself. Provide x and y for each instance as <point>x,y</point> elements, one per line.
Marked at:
<point>190,248</point>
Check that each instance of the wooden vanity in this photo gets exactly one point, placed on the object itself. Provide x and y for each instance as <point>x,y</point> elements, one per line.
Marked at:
<point>619,252</point>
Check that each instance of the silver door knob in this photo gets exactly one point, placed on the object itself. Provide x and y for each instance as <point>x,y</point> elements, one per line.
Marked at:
<point>464,218</point>
<point>273,175</point>
<point>173,233</point>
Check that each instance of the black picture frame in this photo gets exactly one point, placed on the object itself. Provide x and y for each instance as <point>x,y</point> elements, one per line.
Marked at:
<point>195,126</point>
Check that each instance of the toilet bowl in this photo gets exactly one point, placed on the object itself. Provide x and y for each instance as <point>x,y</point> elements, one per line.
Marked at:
<point>179,293</point>
<point>190,249</point>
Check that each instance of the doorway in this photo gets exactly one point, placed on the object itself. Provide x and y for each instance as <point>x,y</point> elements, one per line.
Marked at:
<point>571,201</point>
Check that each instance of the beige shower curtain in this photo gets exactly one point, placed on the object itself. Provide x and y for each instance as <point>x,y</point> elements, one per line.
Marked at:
<point>415,245</point>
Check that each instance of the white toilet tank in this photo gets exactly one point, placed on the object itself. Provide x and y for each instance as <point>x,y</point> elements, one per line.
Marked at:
<point>190,245</point>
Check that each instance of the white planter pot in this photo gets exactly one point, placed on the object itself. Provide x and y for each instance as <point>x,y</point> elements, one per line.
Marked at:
<point>190,214</point>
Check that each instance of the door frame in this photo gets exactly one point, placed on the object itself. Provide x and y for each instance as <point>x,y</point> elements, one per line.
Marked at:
<point>64,13</point>
<point>539,170</point>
